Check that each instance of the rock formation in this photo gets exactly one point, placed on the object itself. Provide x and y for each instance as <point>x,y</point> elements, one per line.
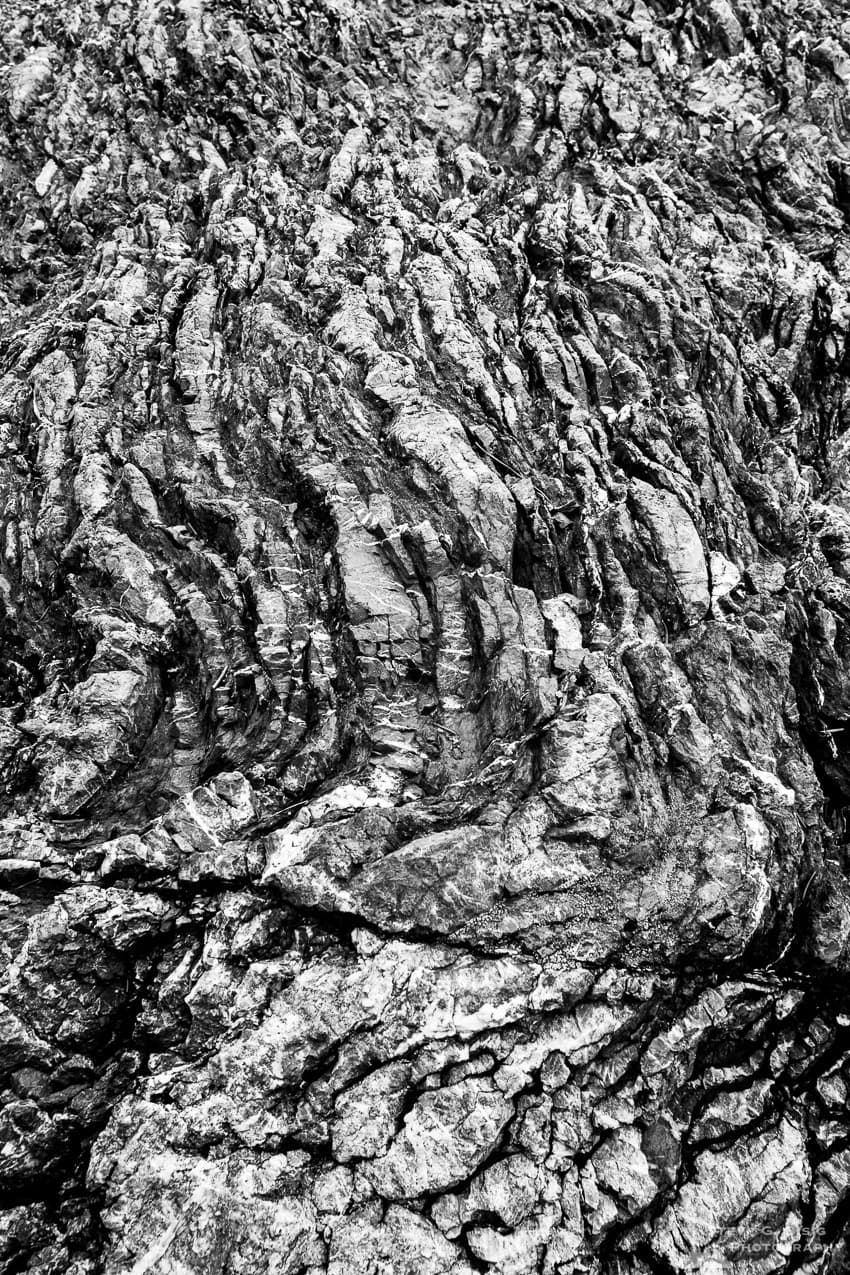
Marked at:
<point>425,637</point>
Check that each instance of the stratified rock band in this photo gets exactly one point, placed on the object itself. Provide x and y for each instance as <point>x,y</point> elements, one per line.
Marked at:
<point>424,637</point>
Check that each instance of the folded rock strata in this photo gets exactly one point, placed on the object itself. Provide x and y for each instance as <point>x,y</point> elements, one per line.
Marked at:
<point>425,637</point>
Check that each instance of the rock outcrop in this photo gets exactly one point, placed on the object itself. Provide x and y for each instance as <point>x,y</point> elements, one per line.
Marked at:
<point>425,637</point>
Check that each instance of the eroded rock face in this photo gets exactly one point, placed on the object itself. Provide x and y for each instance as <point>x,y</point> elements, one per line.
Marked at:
<point>424,638</point>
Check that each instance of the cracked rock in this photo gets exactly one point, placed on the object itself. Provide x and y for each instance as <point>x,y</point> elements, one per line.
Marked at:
<point>424,638</point>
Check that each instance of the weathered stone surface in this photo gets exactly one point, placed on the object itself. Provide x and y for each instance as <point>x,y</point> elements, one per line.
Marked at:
<point>424,638</point>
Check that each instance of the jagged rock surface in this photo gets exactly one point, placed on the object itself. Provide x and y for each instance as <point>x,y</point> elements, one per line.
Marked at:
<point>425,647</point>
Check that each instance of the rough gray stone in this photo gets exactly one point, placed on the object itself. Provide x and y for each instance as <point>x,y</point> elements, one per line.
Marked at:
<point>424,638</point>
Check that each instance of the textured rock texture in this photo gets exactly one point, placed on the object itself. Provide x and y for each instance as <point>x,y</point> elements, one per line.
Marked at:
<point>425,638</point>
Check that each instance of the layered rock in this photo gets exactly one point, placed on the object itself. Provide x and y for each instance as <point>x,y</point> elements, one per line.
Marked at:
<point>424,672</point>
